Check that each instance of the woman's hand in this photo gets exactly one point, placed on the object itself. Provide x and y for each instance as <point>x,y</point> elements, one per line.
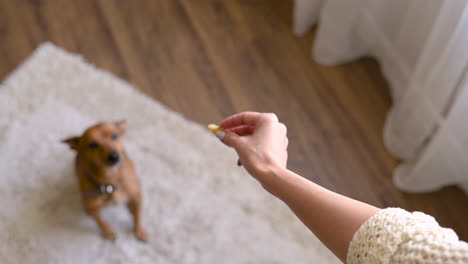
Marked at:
<point>260,141</point>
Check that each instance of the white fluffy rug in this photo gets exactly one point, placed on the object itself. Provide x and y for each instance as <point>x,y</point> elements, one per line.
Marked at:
<point>199,207</point>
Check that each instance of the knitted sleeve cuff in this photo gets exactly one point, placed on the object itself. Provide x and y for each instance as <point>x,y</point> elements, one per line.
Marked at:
<point>379,237</point>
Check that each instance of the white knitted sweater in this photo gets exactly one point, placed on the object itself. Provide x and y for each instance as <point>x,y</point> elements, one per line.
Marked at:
<point>394,235</point>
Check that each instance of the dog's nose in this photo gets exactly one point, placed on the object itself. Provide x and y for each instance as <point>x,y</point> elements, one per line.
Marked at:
<point>113,158</point>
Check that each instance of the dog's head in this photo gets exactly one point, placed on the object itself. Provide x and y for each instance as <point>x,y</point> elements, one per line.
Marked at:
<point>100,144</point>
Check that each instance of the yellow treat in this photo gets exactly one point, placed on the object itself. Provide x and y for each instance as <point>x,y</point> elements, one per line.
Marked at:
<point>214,128</point>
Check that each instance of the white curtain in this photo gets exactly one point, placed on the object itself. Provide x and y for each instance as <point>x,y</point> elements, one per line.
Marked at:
<point>422,46</point>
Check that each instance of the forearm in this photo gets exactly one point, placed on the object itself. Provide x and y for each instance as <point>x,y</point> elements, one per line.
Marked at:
<point>333,218</point>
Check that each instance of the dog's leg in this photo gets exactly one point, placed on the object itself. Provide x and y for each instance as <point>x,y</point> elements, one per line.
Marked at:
<point>134,206</point>
<point>106,231</point>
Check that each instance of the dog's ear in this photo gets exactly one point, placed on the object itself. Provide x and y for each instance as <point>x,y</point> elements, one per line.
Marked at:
<point>72,142</point>
<point>121,126</point>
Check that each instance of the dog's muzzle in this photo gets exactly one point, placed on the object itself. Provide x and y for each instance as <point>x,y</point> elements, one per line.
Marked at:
<point>113,158</point>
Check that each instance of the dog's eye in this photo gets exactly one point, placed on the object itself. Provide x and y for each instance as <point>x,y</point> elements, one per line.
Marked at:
<point>114,136</point>
<point>93,145</point>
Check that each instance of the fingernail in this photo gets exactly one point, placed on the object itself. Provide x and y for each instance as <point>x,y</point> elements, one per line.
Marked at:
<point>220,134</point>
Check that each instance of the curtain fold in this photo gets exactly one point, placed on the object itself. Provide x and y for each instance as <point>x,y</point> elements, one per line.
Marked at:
<point>422,47</point>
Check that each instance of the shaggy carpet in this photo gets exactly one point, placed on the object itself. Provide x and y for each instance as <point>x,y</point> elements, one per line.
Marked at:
<point>199,207</point>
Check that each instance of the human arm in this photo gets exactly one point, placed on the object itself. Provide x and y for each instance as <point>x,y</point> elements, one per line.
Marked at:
<point>354,231</point>
<point>261,142</point>
<point>332,217</point>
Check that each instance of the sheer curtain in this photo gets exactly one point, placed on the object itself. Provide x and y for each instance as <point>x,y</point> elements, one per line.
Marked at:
<point>422,47</point>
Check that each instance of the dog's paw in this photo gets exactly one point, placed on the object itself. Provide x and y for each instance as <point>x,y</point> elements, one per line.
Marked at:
<point>141,235</point>
<point>109,235</point>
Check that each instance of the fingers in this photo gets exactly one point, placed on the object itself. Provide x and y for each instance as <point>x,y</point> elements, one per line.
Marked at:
<point>283,128</point>
<point>232,140</point>
<point>271,116</point>
<point>244,118</point>
<point>243,130</point>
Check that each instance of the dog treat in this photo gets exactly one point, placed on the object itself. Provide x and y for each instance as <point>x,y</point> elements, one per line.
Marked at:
<point>214,128</point>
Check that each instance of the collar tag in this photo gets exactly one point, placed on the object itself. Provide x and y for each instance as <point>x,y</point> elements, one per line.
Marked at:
<point>109,188</point>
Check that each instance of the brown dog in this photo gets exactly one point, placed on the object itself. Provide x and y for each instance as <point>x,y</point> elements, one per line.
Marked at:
<point>106,174</point>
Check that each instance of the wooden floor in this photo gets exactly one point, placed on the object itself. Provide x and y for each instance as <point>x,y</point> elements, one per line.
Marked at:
<point>208,59</point>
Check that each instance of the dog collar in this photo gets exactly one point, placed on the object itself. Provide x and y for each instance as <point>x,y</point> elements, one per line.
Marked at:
<point>100,188</point>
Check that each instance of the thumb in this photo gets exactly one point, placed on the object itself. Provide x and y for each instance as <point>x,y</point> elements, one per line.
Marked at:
<point>231,139</point>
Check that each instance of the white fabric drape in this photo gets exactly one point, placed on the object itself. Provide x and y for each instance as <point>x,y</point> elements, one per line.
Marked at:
<point>422,46</point>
